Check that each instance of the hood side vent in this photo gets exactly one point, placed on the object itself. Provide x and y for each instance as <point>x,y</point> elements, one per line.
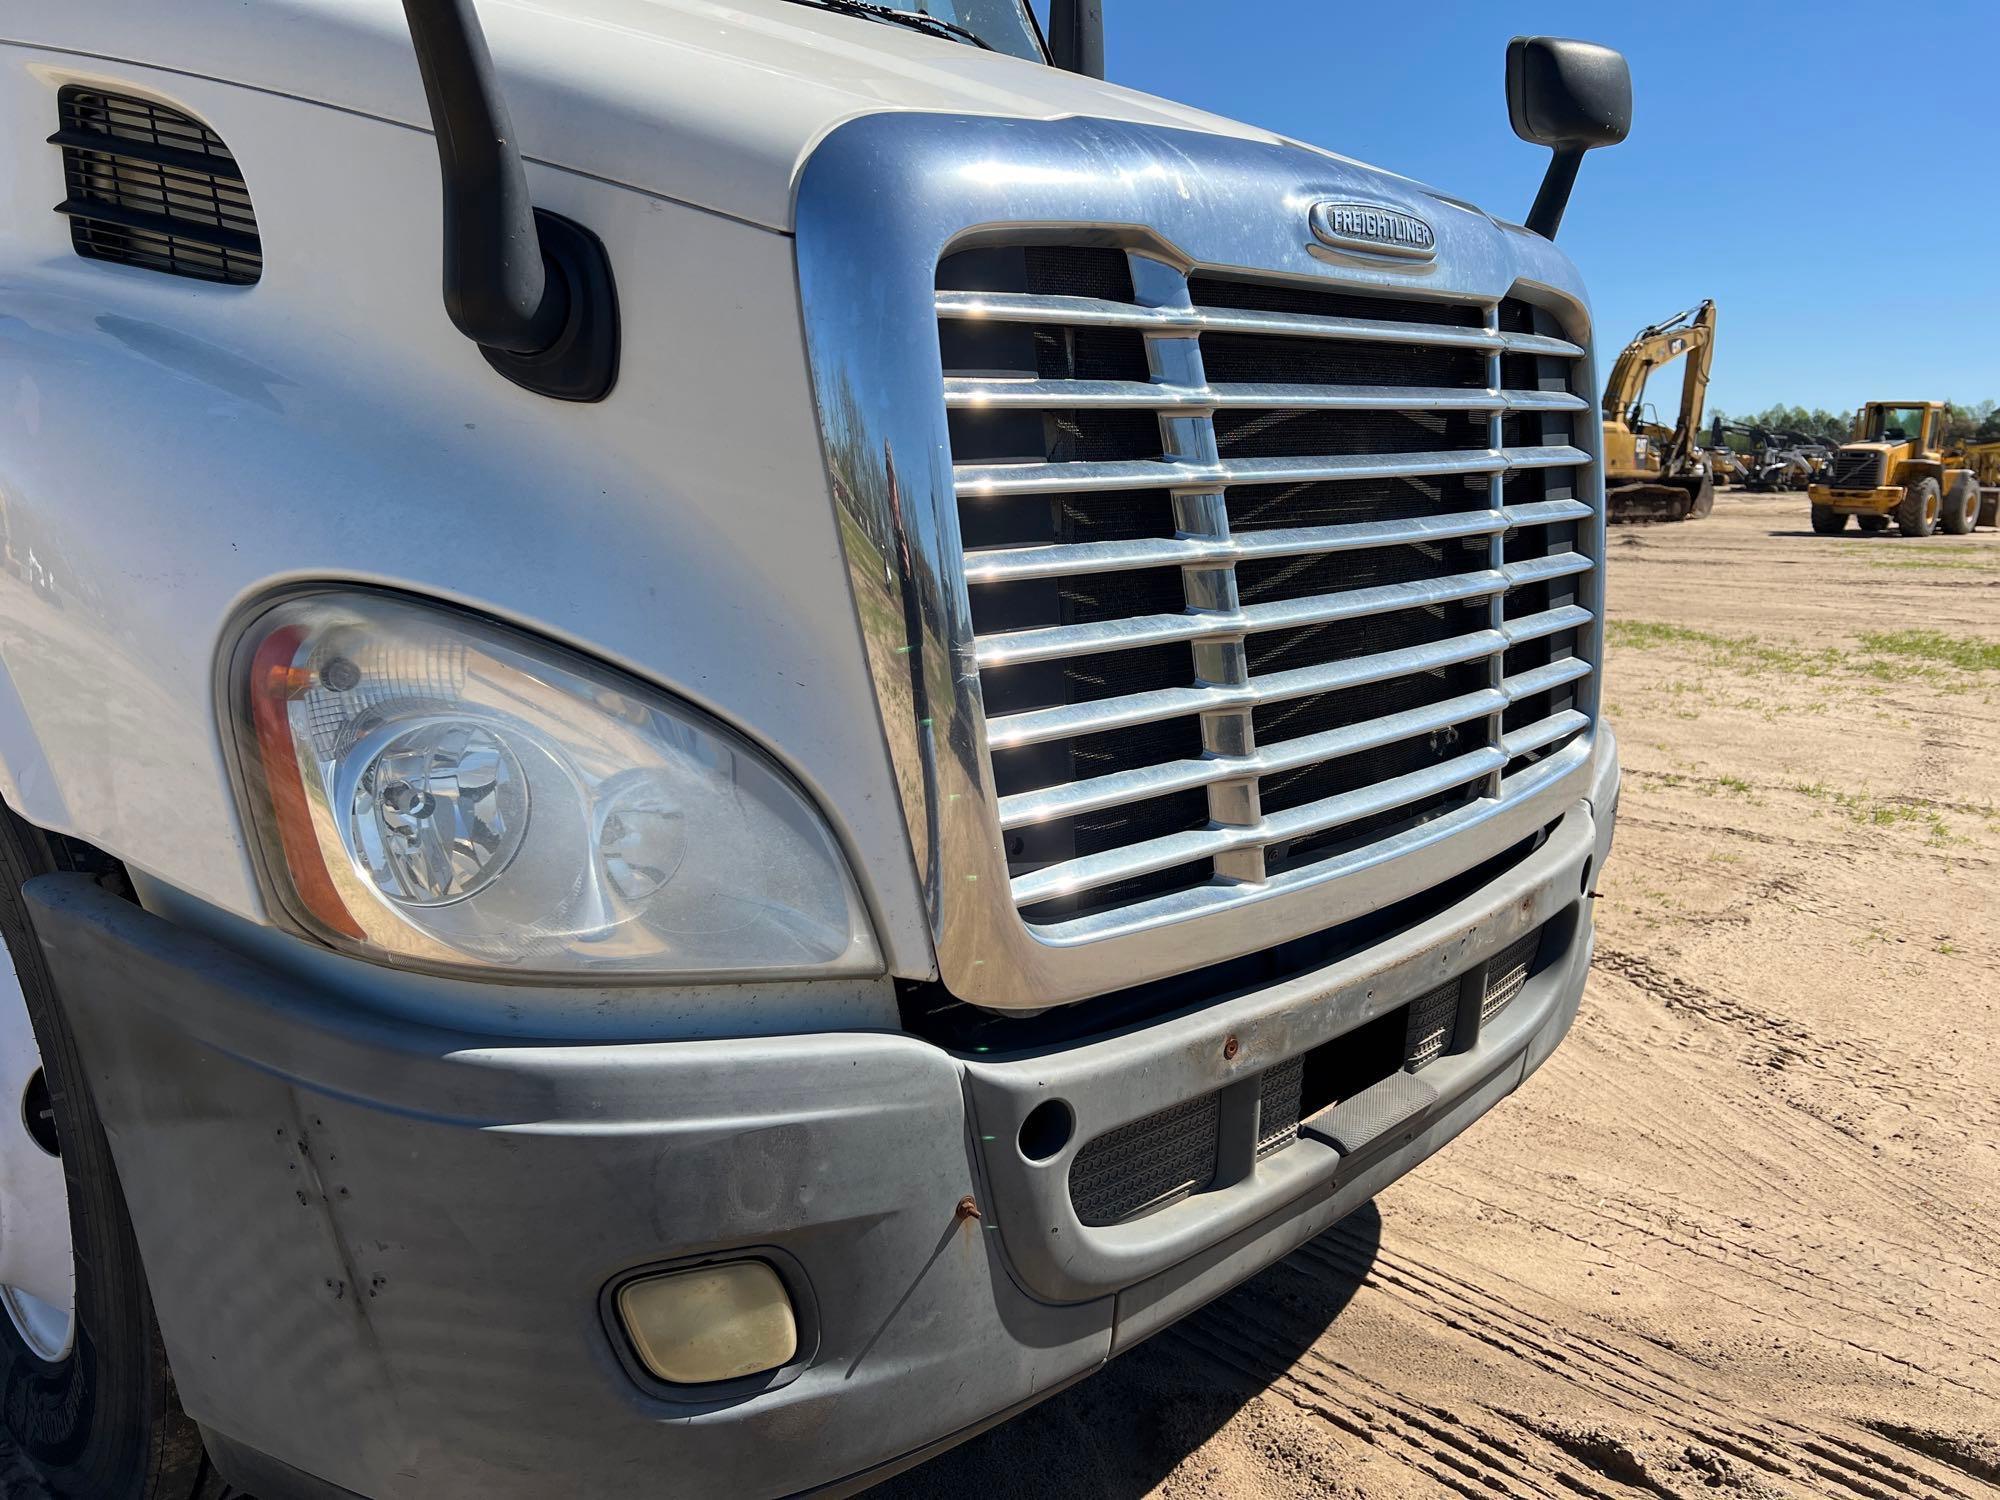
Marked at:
<point>151,187</point>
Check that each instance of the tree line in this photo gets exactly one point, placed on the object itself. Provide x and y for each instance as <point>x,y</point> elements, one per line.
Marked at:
<point>1971,422</point>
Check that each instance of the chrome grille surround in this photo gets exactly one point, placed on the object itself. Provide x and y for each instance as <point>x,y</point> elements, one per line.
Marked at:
<point>880,203</point>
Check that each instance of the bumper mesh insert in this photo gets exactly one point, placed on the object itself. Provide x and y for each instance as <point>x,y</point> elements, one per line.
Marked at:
<point>1147,1164</point>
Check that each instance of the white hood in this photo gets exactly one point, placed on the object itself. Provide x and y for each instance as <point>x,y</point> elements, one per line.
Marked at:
<point>709,103</point>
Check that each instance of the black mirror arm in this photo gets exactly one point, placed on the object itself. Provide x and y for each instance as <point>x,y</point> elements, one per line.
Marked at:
<point>496,288</point>
<point>532,289</point>
<point>1546,217</point>
<point>1076,36</point>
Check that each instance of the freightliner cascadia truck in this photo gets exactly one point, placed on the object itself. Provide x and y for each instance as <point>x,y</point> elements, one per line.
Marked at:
<point>922,711</point>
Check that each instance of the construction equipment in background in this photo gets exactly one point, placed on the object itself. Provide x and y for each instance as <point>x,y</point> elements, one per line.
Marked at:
<point>1790,462</point>
<point>1984,461</point>
<point>1775,460</point>
<point>1653,472</point>
<point>1896,469</point>
<point>1726,465</point>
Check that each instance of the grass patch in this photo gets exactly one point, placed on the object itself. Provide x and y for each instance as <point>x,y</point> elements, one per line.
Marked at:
<point>1745,653</point>
<point>1887,656</point>
<point>1874,812</point>
<point>1934,646</point>
<point>1981,562</point>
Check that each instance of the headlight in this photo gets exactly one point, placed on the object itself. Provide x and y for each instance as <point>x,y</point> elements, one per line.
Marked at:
<point>433,791</point>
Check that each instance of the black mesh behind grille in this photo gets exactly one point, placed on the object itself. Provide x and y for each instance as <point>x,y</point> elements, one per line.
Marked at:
<point>1267,580</point>
<point>1265,296</point>
<point>148,186</point>
<point>1244,357</point>
<point>1291,434</point>
<point>1339,640</point>
<point>1348,773</point>
<point>1319,712</point>
<point>1265,507</point>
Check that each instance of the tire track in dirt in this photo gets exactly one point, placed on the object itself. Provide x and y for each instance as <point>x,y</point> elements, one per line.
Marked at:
<point>1751,1167</point>
<point>1844,1057</point>
<point>1699,1290</point>
<point>1629,1379</point>
<point>1465,1457</point>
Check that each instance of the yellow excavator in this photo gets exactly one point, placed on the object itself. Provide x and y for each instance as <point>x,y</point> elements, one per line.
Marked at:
<point>1653,472</point>
<point>1896,468</point>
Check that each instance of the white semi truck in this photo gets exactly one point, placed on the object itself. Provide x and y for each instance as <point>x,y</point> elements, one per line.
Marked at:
<point>936,709</point>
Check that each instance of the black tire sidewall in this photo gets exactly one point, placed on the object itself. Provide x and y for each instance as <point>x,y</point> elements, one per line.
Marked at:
<point>103,1422</point>
<point>1910,515</point>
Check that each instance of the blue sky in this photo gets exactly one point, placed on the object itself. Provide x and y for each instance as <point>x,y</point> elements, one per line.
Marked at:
<point>1823,170</point>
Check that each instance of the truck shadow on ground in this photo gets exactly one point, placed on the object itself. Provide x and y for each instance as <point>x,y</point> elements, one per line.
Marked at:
<point>1117,1434</point>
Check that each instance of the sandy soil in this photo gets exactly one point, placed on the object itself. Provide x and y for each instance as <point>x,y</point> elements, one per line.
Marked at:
<point>1739,1235</point>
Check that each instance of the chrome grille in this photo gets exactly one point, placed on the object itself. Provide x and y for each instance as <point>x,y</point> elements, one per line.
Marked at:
<point>1855,470</point>
<point>1260,574</point>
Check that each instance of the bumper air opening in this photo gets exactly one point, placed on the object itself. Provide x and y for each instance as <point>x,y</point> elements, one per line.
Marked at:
<point>1337,1092</point>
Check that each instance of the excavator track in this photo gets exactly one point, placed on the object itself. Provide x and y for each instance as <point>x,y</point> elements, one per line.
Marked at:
<point>1642,504</point>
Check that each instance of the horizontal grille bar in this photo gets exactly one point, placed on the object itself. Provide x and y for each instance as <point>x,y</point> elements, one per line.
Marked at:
<point>1048,642</point>
<point>1532,737</point>
<point>1558,673</point>
<point>1026,808</point>
<point>1011,564</point>
<point>1037,726</point>
<point>1094,312</point>
<point>1045,643</point>
<point>1014,564</point>
<point>977,392</point>
<point>1541,569</point>
<point>975,480</point>
<point>1548,622</point>
<point>1203,843</point>
<point>1214,897</point>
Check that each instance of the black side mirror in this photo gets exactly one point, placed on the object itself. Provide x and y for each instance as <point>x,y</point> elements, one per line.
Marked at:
<point>1572,97</point>
<point>1076,36</point>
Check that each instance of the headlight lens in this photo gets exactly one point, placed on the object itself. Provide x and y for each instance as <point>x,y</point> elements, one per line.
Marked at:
<point>434,791</point>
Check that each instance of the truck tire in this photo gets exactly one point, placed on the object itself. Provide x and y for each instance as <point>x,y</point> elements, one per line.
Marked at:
<point>1872,523</point>
<point>89,1401</point>
<point>1827,521</point>
<point>1918,514</point>
<point>1989,507</point>
<point>1961,506</point>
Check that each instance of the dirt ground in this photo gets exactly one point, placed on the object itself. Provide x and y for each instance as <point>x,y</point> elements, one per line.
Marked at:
<point>1742,1234</point>
<point>1739,1236</point>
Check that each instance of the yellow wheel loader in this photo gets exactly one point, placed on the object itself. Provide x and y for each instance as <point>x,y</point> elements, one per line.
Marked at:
<point>1896,469</point>
<point>1653,472</point>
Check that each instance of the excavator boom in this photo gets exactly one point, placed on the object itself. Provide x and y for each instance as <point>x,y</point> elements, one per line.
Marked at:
<point>1650,474</point>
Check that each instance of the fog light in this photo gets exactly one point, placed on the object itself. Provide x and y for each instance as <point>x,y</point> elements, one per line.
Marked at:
<point>711,1323</point>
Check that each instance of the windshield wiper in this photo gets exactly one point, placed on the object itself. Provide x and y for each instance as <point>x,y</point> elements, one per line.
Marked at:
<point>917,19</point>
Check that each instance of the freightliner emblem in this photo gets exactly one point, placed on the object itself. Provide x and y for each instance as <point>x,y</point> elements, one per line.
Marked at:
<point>1373,229</point>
